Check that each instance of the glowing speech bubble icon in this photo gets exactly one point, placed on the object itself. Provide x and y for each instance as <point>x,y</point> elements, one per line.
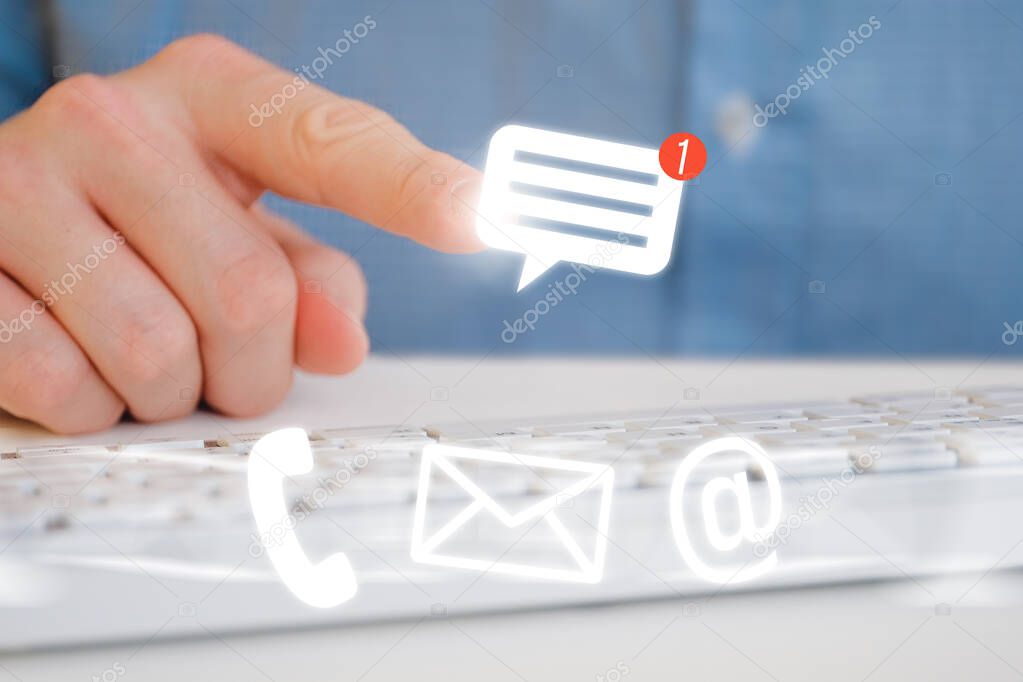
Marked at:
<point>558,197</point>
<point>737,487</point>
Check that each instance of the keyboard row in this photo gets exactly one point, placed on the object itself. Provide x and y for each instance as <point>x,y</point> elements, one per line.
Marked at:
<point>161,480</point>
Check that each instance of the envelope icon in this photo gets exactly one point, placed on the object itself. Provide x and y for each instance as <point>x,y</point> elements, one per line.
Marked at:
<point>513,523</point>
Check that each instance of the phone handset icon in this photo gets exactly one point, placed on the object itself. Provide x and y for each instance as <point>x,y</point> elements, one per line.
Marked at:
<point>275,457</point>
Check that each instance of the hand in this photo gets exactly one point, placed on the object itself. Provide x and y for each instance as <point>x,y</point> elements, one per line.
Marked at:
<point>139,272</point>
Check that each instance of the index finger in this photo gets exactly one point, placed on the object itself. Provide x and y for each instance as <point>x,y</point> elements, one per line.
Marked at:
<point>309,144</point>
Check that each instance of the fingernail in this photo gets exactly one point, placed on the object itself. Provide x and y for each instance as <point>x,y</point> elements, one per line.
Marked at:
<point>355,306</point>
<point>465,198</point>
<point>346,300</point>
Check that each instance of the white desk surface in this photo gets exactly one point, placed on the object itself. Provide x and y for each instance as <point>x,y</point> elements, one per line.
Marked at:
<point>887,631</point>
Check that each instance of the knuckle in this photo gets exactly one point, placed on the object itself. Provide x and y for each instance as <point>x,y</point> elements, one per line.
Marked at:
<point>85,99</point>
<point>100,422</point>
<point>325,133</point>
<point>158,340</point>
<point>253,403</point>
<point>331,119</point>
<point>346,276</point>
<point>253,289</point>
<point>313,136</point>
<point>33,172</point>
<point>45,378</point>
<point>410,177</point>
<point>106,112</point>
<point>197,49</point>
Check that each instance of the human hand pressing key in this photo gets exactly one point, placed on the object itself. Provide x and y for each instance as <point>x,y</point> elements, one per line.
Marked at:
<point>144,187</point>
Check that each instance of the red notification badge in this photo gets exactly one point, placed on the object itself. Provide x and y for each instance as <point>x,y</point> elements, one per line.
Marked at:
<point>682,156</point>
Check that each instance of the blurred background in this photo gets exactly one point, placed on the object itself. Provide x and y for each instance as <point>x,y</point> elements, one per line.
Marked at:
<point>878,215</point>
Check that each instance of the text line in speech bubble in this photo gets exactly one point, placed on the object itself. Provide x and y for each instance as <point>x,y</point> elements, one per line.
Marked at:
<point>557,197</point>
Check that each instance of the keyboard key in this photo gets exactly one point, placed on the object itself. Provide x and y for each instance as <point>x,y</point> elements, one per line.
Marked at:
<point>156,445</point>
<point>747,429</point>
<point>995,396</point>
<point>82,451</point>
<point>240,443</point>
<point>658,437</point>
<point>56,462</point>
<point>909,452</point>
<point>976,455</point>
<point>915,400</point>
<point>937,417</point>
<point>1006,412</point>
<point>764,416</point>
<point>349,437</point>
<point>581,428</point>
<point>670,422</point>
<point>844,423</point>
<point>557,446</point>
<point>991,430</point>
<point>473,434</point>
<point>845,410</point>
<point>978,446</point>
<point>728,410</point>
<point>911,408</point>
<point>807,439</point>
<point>661,472</point>
<point>404,442</point>
<point>902,431</point>
<point>911,460</point>
<point>208,458</point>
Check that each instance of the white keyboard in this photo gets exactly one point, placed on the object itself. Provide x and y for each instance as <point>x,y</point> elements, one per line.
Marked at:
<point>166,524</point>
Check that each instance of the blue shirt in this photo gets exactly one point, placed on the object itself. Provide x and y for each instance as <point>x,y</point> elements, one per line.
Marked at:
<point>879,214</point>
